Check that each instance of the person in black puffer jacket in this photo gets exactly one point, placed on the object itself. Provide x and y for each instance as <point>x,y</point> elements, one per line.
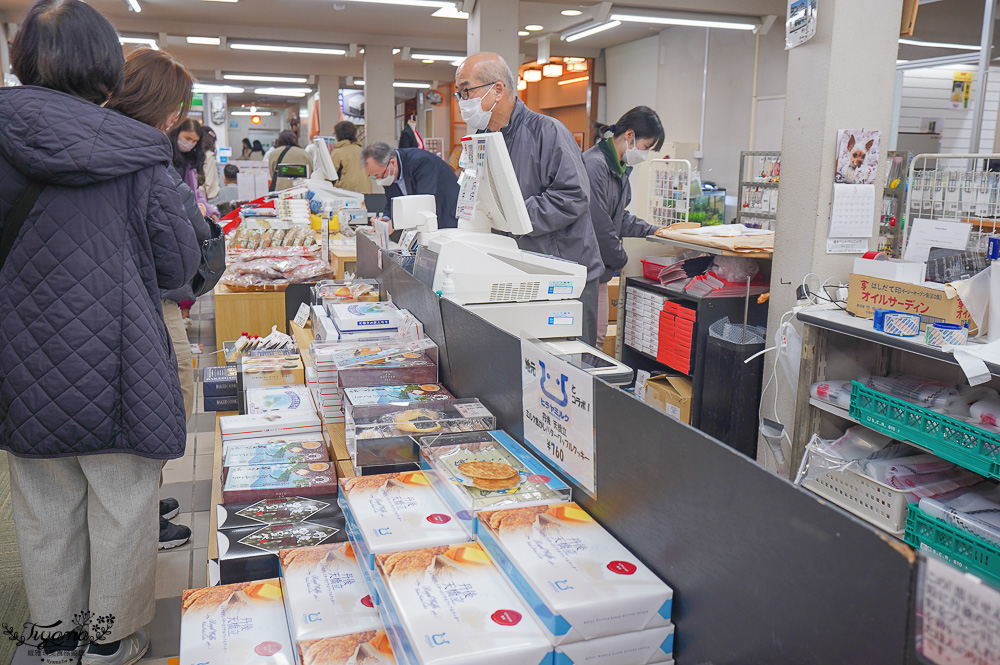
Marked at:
<point>90,402</point>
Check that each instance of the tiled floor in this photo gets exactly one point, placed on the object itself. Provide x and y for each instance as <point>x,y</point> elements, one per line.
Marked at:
<point>188,480</point>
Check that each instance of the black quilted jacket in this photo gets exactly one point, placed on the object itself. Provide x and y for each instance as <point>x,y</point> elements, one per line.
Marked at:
<point>86,365</point>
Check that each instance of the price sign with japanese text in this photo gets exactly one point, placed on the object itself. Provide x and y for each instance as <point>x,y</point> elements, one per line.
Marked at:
<point>558,401</point>
<point>958,616</point>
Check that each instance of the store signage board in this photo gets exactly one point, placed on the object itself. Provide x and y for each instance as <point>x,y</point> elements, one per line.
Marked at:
<point>958,616</point>
<point>558,402</point>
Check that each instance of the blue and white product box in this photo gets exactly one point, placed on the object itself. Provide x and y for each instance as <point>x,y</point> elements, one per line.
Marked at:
<point>220,381</point>
<point>324,329</point>
<point>325,593</point>
<point>279,423</point>
<point>365,316</point>
<point>653,645</point>
<point>581,583</point>
<point>279,398</point>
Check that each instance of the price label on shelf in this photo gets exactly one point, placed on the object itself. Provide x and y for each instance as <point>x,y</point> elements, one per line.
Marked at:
<point>302,315</point>
<point>958,616</point>
<point>558,402</point>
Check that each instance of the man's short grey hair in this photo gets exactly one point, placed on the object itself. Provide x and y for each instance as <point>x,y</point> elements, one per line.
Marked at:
<point>497,70</point>
<point>380,151</point>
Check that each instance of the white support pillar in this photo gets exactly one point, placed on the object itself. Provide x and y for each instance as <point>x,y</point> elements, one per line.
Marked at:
<point>4,54</point>
<point>493,26</point>
<point>843,78</point>
<point>329,104</point>
<point>380,96</point>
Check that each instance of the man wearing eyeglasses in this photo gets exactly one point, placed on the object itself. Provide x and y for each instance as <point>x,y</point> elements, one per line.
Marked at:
<point>549,168</point>
<point>408,171</point>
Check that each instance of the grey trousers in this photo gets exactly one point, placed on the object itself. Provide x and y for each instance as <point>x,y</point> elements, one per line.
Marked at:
<point>87,529</point>
<point>589,300</point>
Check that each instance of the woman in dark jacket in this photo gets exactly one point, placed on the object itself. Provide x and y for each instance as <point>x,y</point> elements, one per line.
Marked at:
<point>90,402</point>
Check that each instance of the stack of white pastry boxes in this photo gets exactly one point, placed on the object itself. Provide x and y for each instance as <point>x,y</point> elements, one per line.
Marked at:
<point>642,323</point>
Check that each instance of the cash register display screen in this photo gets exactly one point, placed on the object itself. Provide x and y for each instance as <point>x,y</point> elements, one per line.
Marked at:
<point>586,361</point>
<point>292,171</point>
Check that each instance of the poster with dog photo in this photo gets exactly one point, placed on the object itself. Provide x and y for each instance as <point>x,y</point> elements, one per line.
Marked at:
<point>857,156</point>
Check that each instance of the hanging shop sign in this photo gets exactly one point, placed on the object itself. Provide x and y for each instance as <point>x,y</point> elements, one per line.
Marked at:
<point>961,90</point>
<point>558,402</point>
<point>801,23</point>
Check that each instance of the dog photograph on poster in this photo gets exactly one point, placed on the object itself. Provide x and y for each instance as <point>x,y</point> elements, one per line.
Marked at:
<point>857,156</point>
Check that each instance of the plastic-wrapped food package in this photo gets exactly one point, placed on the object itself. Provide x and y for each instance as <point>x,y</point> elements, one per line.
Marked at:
<point>936,395</point>
<point>274,269</point>
<point>837,393</point>
<point>976,511</point>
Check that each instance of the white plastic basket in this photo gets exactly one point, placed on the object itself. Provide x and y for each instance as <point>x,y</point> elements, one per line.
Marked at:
<point>878,504</point>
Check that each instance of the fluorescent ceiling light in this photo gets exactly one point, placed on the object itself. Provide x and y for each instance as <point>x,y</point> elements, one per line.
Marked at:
<point>221,0</point>
<point>576,80</point>
<point>359,82</point>
<point>261,113</point>
<point>437,56</point>
<point>142,41</point>
<point>396,51</point>
<point>534,27</point>
<point>523,33</point>
<point>962,47</point>
<point>571,12</point>
<point>283,92</point>
<point>450,12</point>
<point>210,87</point>
<point>678,20</point>
<point>410,84</point>
<point>134,4</point>
<point>410,3</point>
<point>287,48</point>
<point>427,61</point>
<point>266,78</point>
<point>205,41</point>
<point>600,27</point>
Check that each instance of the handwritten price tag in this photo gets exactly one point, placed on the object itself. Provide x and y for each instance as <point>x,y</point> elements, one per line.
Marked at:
<point>958,616</point>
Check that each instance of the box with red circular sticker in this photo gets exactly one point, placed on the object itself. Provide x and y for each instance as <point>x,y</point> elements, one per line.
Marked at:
<point>235,623</point>
<point>450,604</point>
<point>325,593</point>
<point>581,583</point>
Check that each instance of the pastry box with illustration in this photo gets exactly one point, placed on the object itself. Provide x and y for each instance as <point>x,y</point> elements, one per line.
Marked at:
<point>279,398</point>
<point>385,421</point>
<point>349,317</point>
<point>286,370</point>
<point>273,481</point>
<point>413,392</point>
<point>368,648</point>
<point>278,450</point>
<point>581,582</point>
<point>235,623</point>
<point>418,356</point>
<point>398,511</point>
<point>322,509</point>
<point>325,592</point>
<point>644,647</point>
<point>251,553</point>
<point>455,606</point>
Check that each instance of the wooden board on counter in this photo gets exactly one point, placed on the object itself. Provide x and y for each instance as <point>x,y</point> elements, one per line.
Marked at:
<point>345,469</point>
<point>338,442</point>
<point>303,338</point>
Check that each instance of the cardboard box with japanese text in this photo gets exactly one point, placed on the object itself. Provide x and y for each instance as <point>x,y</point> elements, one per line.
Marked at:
<point>934,305</point>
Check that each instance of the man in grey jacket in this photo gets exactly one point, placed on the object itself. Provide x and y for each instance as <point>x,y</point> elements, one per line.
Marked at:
<point>549,168</point>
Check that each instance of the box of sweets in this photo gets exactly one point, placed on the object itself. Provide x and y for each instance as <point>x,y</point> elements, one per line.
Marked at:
<point>336,292</point>
<point>325,593</point>
<point>279,398</point>
<point>277,424</point>
<point>367,424</point>
<point>258,452</point>
<point>454,606</point>
<point>286,510</point>
<point>251,553</point>
<point>236,623</point>
<point>380,456</point>
<point>325,353</point>
<point>580,582</point>
<point>220,381</point>
<point>368,648</point>
<point>274,481</point>
<point>398,511</point>
<point>653,645</point>
<point>285,370</point>
<point>413,392</point>
<point>292,441</point>
<point>417,363</point>
<point>349,317</point>
<point>222,403</point>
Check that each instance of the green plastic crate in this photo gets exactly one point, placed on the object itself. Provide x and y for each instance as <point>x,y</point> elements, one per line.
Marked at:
<point>953,543</point>
<point>948,438</point>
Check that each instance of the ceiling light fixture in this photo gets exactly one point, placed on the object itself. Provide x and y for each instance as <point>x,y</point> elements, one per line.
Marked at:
<point>411,84</point>
<point>360,82</point>
<point>693,20</point>
<point>571,12</point>
<point>428,61</point>
<point>534,27</point>
<point>523,33</point>
<point>221,0</point>
<point>266,78</point>
<point>134,5</point>
<point>212,87</point>
<point>437,56</point>
<point>148,42</point>
<point>961,47</point>
<point>283,92</point>
<point>287,48</point>
<point>250,113</point>
<point>588,30</point>
<point>450,12</point>
<point>576,80</point>
<point>574,59</point>
<point>396,51</point>
<point>409,3</point>
<point>205,41</point>
<point>552,71</point>
<point>532,75</point>
<point>576,66</point>
<point>522,84</point>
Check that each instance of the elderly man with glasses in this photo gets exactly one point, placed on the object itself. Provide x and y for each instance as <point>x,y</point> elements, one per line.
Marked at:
<point>549,168</point>
<point>408,171</point>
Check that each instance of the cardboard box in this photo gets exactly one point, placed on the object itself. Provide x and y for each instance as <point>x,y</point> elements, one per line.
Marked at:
<point>398,511</point>
<point>251,553</point>
<point>286,510</point>
<point>610,340</point>
<point>279,398</point>
<point>671,394</point>
<point>654,645</point>
<point>237,623</point>
<point>275,481</point>
<point>368,648</point>
<point>455,607</point>
<point>277,424</point>
<point>613,288</point>
<point>596,588</point>
<point>325,593</point>
<point>934,305</point>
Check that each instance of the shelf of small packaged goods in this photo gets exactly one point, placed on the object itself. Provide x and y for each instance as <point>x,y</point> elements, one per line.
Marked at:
<point>957,540</point>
